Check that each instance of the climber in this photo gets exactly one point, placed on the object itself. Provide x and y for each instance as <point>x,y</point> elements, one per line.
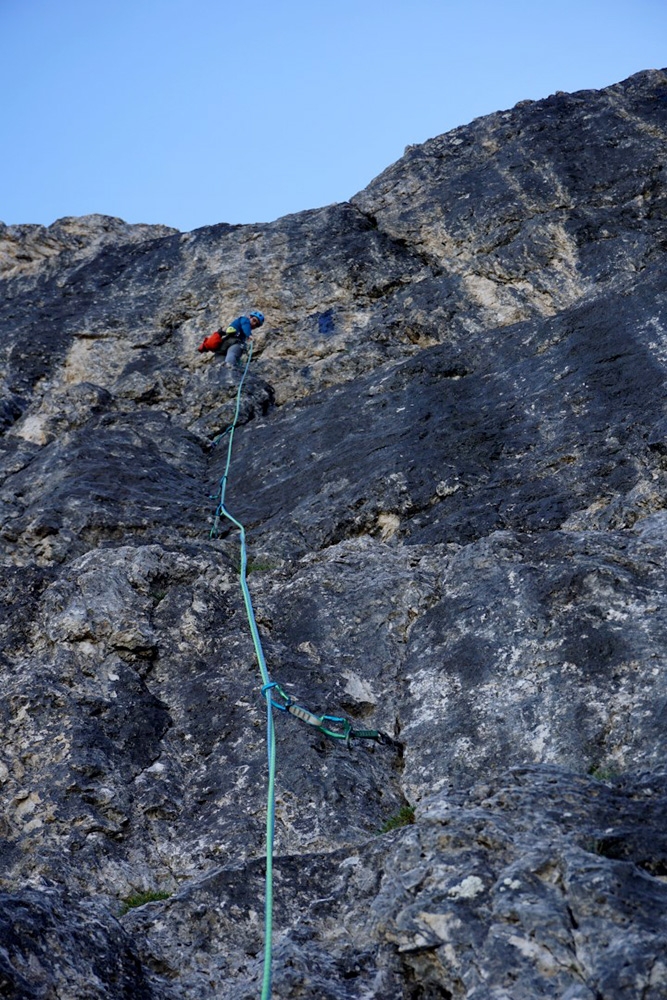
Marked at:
<point>233,340</point>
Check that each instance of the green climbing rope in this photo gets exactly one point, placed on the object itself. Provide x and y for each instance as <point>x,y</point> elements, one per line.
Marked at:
<point>333,726</point>
<point>222,511</point>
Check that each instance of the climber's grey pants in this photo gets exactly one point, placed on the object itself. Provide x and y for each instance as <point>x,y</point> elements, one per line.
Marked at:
<point>233,355</point>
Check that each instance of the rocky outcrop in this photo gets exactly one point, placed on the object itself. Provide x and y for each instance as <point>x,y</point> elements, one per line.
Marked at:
<point>450,462</point>
<point>24,248</point>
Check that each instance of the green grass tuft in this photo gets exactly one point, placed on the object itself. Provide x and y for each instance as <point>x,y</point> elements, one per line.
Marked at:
<point>259,567</point>
<point>140,898</point>
<point>601,773</point>
<point>404,816</point>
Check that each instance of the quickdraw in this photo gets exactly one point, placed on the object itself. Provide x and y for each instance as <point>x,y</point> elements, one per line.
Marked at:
<point>336,727</point>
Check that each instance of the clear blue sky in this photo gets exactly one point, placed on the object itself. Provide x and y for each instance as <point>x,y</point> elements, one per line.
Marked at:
<point>193,112</point>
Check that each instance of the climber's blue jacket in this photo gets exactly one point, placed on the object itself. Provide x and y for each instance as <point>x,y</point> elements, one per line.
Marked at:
<point>241,327</point>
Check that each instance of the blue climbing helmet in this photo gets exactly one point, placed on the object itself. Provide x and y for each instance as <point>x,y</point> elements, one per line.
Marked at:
<point>258,315</point>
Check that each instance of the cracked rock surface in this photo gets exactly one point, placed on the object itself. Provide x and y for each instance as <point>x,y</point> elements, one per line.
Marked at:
<point>451,466</point>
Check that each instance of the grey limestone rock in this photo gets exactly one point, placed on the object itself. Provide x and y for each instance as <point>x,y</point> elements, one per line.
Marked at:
<point>450,464</point>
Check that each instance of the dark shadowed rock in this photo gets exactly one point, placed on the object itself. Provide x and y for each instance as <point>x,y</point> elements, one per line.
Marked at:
<point>55,945</point>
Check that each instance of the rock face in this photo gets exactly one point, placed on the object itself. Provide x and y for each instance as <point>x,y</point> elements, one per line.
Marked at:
<point>451,465</point>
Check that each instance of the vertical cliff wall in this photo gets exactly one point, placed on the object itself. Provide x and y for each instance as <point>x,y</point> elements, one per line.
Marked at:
<point>451,466</point>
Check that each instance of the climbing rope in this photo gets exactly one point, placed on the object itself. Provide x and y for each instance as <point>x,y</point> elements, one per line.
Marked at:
<point>333,726</point>
<point>221,511</point>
